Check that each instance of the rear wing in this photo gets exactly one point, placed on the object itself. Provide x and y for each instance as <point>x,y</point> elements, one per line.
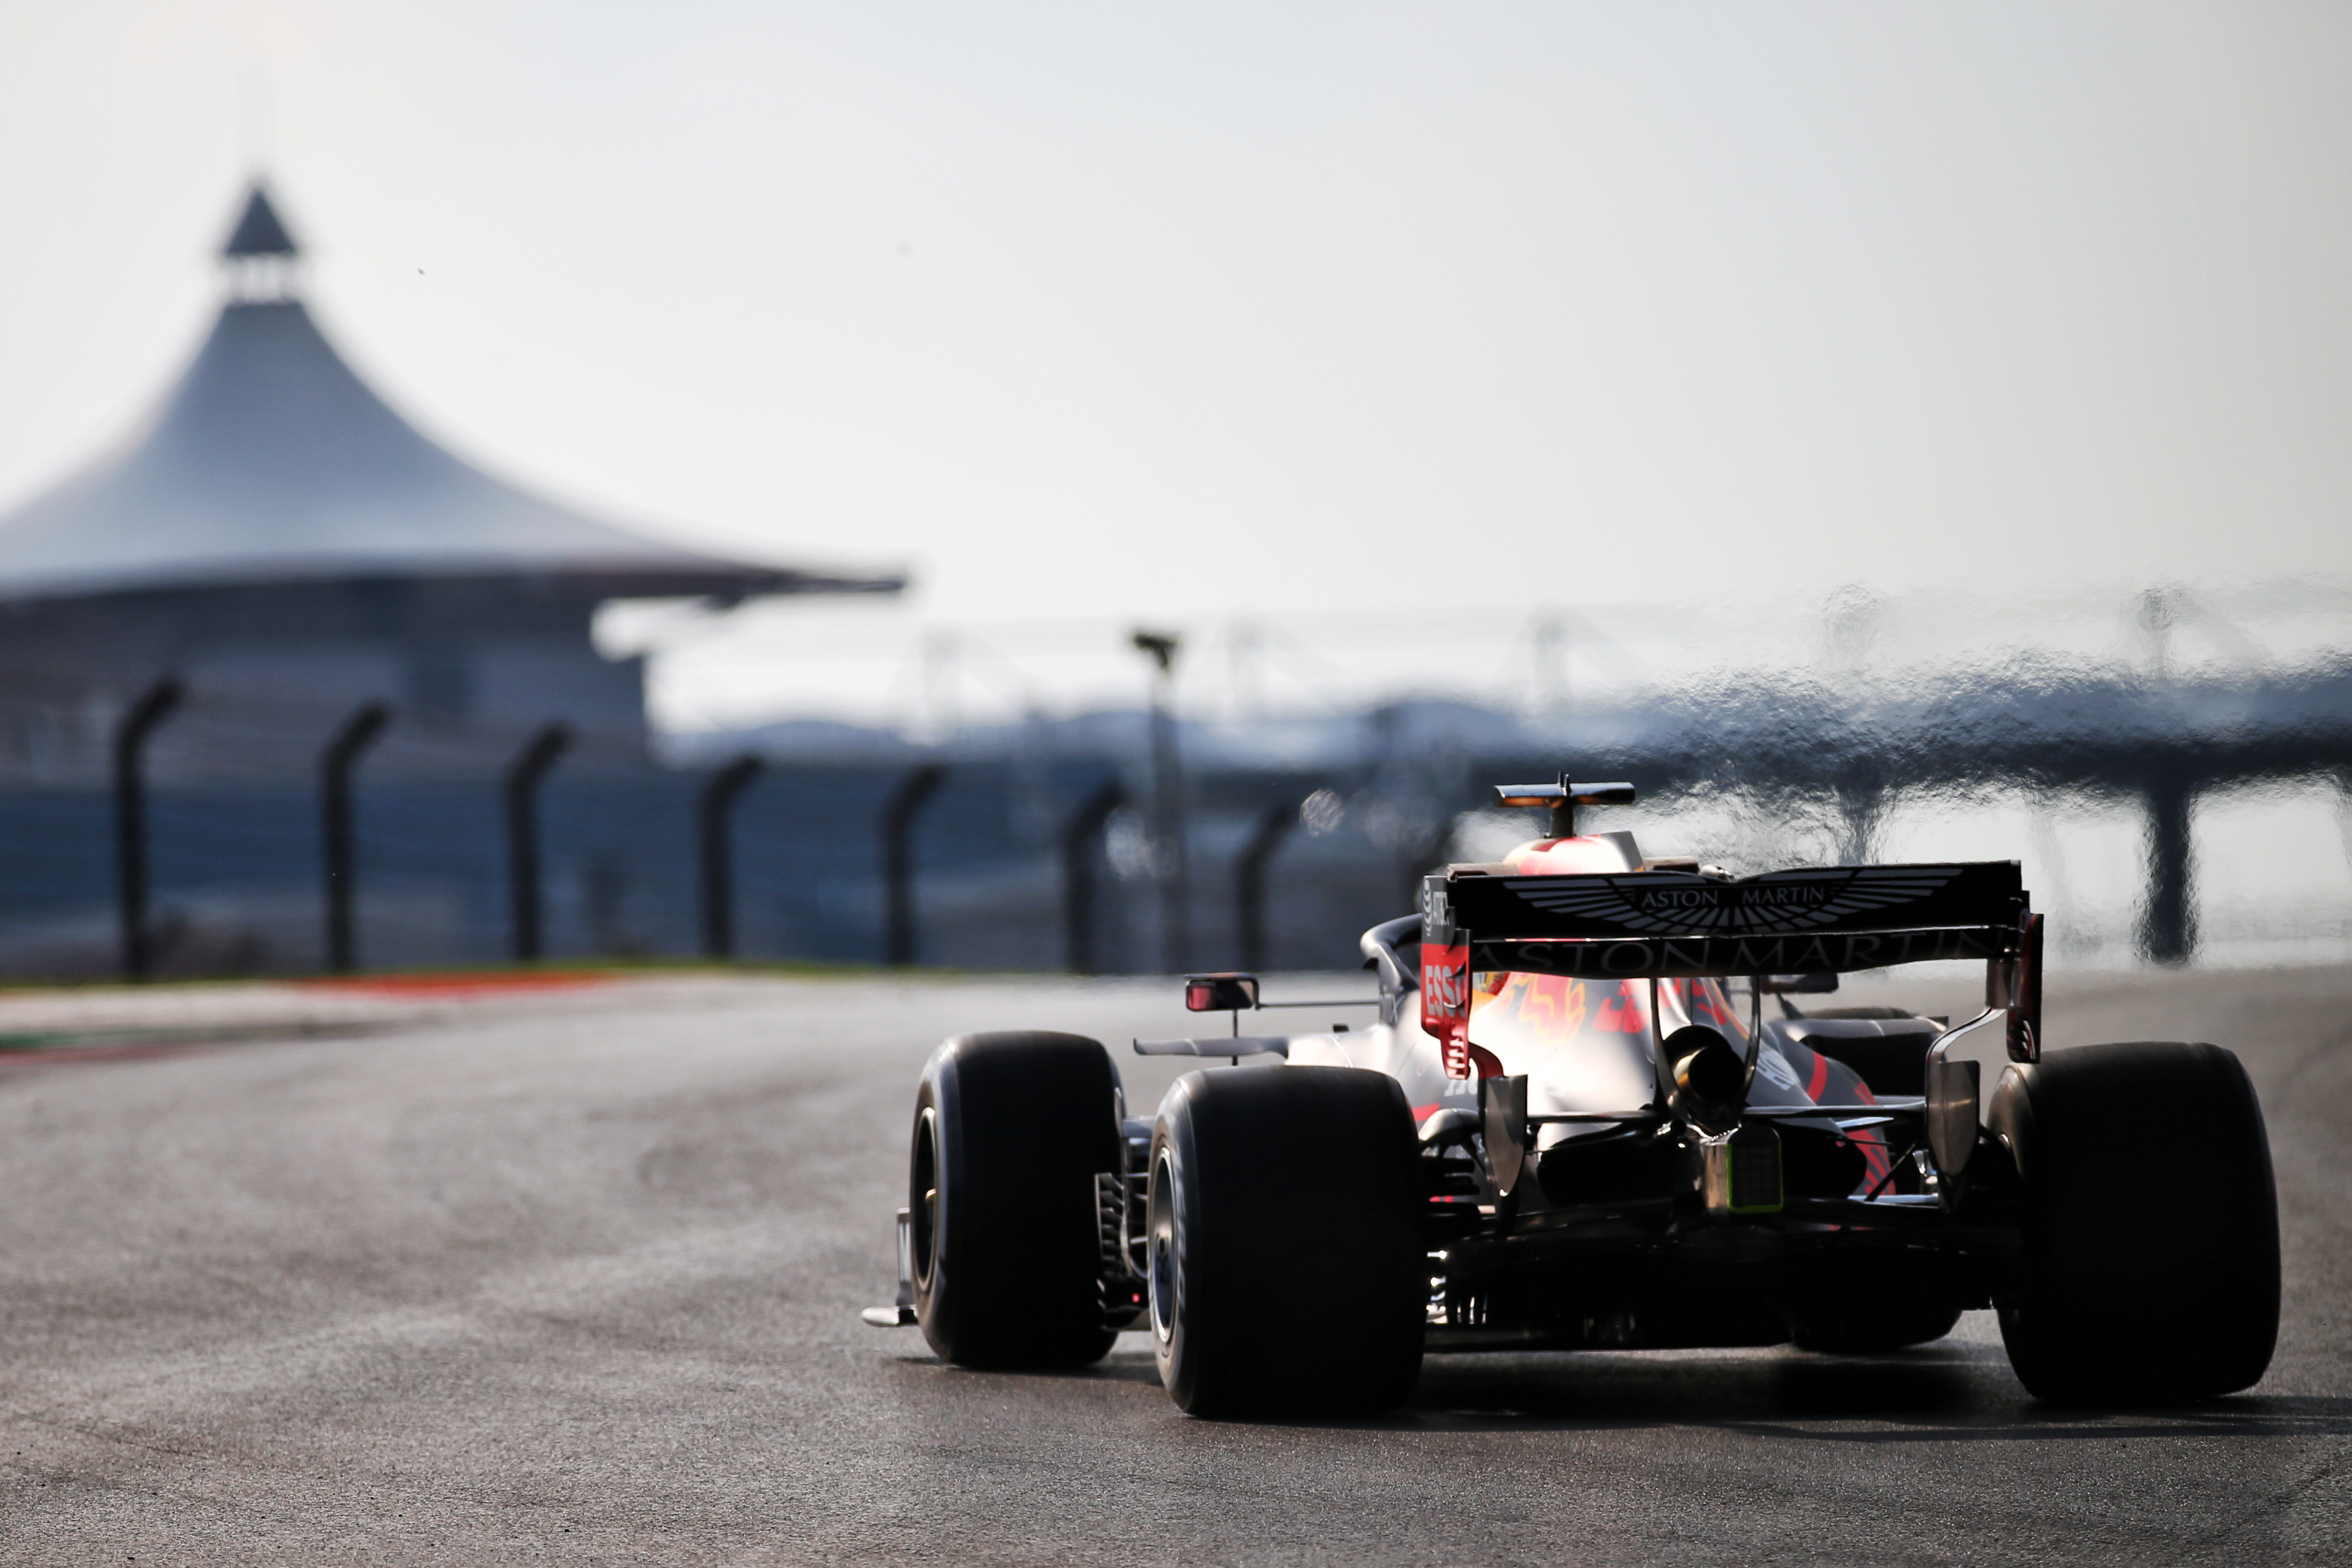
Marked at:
<point>1661,925</point>
<point>1671,924</point>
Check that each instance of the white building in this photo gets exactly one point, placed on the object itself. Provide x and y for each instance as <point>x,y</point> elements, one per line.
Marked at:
<point>275,528</point>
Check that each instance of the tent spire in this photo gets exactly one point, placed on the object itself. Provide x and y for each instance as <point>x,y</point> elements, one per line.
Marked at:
<point>259,255</point>
<point>258,230</point>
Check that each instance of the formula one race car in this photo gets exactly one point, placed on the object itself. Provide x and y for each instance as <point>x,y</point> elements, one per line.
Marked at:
<point>1566,1132</point>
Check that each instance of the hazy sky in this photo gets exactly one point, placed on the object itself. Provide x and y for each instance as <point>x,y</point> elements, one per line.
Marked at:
<point>1183,312</point>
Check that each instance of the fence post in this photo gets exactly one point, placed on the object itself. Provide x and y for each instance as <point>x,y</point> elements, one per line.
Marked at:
<point>898,859</point>
<point>1081,836</point>
<point>716,809</point>
<point>1249,882</point>
<point>522,781</point>
<point>335,764</point>
<point>155,706</point>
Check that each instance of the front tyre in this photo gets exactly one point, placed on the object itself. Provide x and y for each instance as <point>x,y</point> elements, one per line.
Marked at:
<point>1286,1266</point>
<point>2151,1256</point>
<point>1010,1131</point>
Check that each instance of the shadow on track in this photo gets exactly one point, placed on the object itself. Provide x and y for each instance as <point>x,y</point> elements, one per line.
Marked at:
<point>1119,1366</point>
<point>1951,1393</point>
<point>1937,1394</point>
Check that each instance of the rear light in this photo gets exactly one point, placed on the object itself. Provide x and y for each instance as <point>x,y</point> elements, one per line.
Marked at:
<point>1740,1171</point>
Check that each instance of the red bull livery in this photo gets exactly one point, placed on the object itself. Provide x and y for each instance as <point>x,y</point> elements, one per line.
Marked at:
<point>1573,1126</point>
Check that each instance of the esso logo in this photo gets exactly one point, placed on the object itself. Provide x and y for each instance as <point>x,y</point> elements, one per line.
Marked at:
<point>1445,1002</point>
<point>1445,981</point>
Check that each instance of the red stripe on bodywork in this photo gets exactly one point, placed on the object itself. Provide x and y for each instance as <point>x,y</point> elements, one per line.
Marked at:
<point>1873,1154</point>
<point>1874,1147</point>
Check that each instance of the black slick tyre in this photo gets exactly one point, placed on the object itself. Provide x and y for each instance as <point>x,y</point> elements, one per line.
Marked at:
<point>1288,1274</point>
<point>2150,1271</point>
<point>1010,1131</point>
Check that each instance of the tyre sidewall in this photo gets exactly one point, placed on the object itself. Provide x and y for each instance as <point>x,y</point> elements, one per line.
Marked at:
<point>1174,1289</point>
<point>935,1293</point>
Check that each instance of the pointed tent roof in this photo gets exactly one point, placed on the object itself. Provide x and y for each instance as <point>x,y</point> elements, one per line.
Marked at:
<point>258,231</point>
<point>270,460</point>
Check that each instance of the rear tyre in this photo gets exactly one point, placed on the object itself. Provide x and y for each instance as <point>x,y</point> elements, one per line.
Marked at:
<point>1010,1131</point>
<point>2152,1258</point>
<point>1288,1276</point>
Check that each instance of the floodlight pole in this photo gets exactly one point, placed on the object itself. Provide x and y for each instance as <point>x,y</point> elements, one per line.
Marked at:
<point>1168,849</point>
<point>154,705</point>
<point>1249,881</point>
<point>899,860</point>
<point>1081,850</point>
<point>716,822</point>
<point>524,775</point>
<point>2168,922</point>
<point>357,733</point>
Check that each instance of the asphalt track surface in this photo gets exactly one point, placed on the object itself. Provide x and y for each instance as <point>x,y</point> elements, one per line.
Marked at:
<point>574,1276</point>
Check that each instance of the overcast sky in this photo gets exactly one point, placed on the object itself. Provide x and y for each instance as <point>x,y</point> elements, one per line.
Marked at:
<point>1185,311</point>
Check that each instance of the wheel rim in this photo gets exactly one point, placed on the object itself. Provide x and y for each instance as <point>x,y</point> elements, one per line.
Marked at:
<point>1161,1231</point>
<point>923,1195</point>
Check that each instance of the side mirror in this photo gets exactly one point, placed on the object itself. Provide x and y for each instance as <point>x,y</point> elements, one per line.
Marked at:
<point>1798,984</point>
<point>1220,993</point>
